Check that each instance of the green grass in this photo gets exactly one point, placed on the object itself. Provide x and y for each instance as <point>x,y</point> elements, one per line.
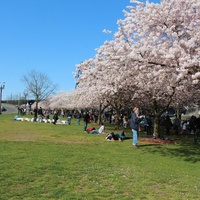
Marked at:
<point>46,161</point>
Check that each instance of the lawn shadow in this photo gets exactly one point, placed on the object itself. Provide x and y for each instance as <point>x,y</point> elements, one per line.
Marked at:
<point>186,151</point>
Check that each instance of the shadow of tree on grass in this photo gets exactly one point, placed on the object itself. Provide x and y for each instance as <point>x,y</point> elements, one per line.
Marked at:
<point>186,151</point>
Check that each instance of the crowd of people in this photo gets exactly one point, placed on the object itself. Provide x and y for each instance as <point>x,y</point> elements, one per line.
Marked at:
<point>180,127</point>
<point>135,121</point>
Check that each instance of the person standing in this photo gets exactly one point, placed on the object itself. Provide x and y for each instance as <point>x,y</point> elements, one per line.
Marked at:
<point>177,124</point>
<point>40,114</point>
<point>149,125</point>
<point>197,130</point>
<point>78,118</point>
<point>35,114</point>
<point>168,125</point>
<point>55,117</point>
<point>62,113</point>
<point>69,118</point>
<point>86,120</point>
<point>134,124</point>
<point>192,124</point>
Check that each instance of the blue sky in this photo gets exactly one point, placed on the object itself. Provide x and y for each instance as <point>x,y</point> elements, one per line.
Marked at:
<point>52,36</point>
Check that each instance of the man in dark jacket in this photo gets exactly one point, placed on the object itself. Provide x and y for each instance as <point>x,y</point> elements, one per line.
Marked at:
<point>40,114</point>
<point>35,114</point>
<point>134,124</point>
<point>86,120</point>
<point>197,130</point>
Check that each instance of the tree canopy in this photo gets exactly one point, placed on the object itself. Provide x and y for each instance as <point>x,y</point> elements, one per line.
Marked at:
<point>153,56</point>
<point>153,60</point>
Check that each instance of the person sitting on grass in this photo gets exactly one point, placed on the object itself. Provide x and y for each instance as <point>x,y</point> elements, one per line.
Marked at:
<point>118,136</point>
<point>99,131</point>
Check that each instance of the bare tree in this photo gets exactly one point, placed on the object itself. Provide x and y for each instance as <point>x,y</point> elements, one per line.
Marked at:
<point>39,85</point>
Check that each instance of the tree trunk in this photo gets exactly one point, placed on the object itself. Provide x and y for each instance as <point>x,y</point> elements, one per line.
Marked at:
<point>101,110</point>
<point>36,106</point>
<point>156,126</point>
<point>100,113</point>
<point>157,113</point>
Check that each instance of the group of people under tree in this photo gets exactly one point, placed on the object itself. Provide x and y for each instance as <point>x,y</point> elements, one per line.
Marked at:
<point>110,136</point>
<point>40,114</point>
<point>122,121</point>
<point>136,120</point>
<point>192,126</point>
<point>134,124</point>
<point>182,127</point>
<point>23,110</point>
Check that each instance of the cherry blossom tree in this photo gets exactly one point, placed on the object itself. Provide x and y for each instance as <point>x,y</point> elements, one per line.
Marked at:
<point>165,49</point>
<point>154,57</point>
<point>152,62</point>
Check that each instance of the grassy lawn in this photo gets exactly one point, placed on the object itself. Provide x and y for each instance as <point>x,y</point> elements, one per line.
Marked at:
<point>46,161</point>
